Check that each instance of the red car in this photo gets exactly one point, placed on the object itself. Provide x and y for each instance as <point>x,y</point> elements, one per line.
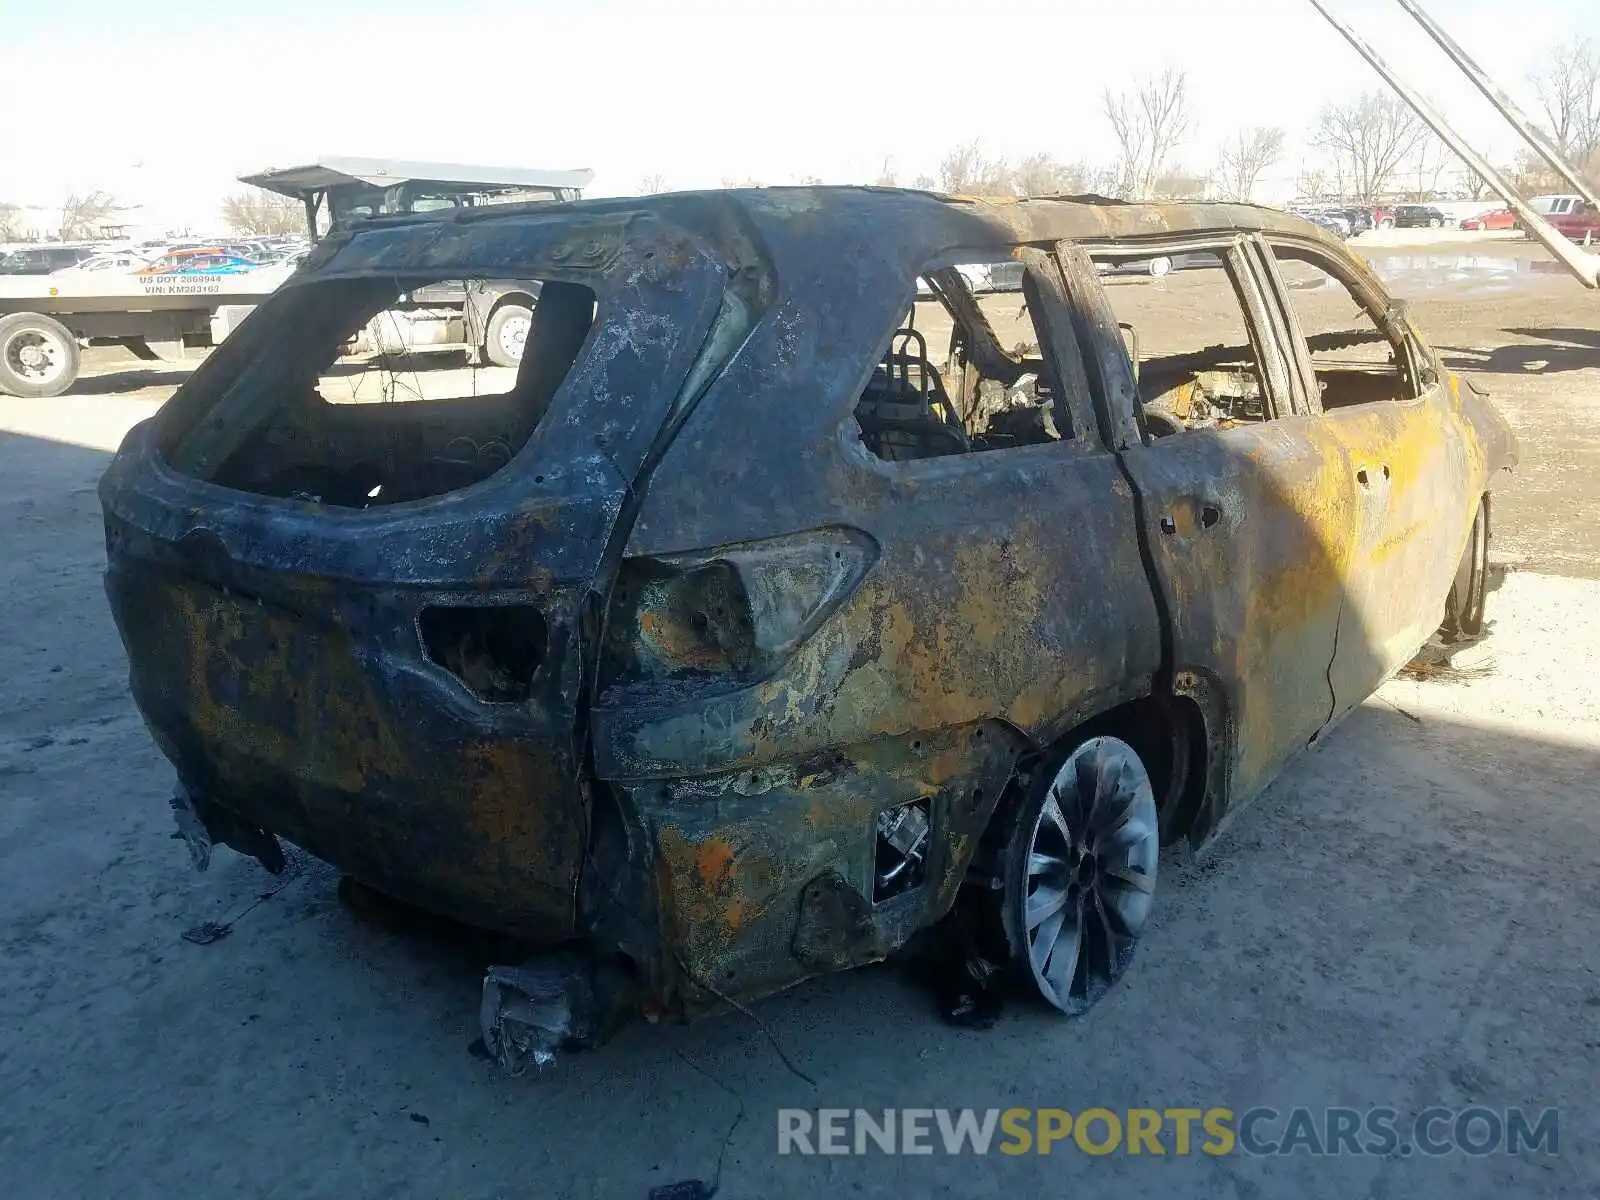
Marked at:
<point>1582,222</point>
<point>1500,218</point>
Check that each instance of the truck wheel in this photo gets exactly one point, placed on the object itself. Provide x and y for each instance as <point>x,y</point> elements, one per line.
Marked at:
<point>507,332</point>
<point>1079,873</point>
<point>1160,266</point>
<point>38,356</point>
<point>1435,223</point>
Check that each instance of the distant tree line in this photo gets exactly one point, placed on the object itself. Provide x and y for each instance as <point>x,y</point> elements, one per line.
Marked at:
<point>260,213</point>
<point>1363,149</point>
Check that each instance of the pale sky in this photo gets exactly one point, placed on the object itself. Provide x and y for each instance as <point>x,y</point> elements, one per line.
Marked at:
<point>164,102</point>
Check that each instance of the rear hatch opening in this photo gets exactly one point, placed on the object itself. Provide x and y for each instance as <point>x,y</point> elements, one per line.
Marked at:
<point>303,419</point>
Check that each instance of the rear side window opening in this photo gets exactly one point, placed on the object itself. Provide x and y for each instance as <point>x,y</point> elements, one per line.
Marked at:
<point>964,372</point>
<point>329,408</point>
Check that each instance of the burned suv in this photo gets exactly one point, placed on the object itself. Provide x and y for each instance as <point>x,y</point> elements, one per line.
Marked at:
<point>767,614</point>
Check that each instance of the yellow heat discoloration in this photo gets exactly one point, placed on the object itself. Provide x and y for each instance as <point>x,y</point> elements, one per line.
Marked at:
<point>512,806</point>
<point>714,884</point>
<point>336,736</point>
<point>268,693</point>
<point>942,663</point>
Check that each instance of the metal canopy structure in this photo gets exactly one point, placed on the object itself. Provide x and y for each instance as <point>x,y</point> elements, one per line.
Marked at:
<point>1584,265</point>
<point>352,188</point>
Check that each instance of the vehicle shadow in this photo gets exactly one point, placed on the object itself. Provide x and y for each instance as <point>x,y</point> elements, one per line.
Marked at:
<point>135,379</point>
<point>1556,351</point>
<point>1580,337</point>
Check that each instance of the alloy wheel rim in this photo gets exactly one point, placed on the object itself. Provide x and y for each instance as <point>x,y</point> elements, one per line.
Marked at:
<point>1091,875</point>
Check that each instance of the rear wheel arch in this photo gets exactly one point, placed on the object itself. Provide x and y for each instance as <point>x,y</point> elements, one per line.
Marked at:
<point>1466,601</point>
<point>1179,734</point>
<point>1166,732</point>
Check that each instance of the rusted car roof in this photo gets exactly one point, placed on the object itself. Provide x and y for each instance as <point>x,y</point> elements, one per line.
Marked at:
<point>939,221</point>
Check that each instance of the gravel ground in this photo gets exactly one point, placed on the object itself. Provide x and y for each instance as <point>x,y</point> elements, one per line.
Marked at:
<point>1404,919</point>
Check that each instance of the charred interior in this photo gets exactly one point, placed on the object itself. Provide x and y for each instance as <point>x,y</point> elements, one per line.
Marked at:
<point>305,420</point>
<point>493,649</point>
<point>983,397</point>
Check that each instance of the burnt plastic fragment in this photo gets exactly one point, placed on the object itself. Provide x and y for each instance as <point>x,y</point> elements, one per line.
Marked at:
<point>203,824</point>
<point>530,1012</point>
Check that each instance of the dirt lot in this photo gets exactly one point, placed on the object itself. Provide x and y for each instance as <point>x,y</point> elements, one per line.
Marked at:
<point>1405,919</point>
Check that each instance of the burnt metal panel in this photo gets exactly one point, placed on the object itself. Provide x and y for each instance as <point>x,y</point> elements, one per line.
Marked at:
<point>274,645</point>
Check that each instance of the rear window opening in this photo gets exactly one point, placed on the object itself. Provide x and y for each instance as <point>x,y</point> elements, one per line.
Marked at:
<point>365,392</point>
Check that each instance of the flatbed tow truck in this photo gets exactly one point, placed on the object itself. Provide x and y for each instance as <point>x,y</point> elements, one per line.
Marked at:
<point>46,319</point>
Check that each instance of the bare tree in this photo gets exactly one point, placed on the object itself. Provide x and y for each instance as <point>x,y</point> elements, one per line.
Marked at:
<point>1131,137</point>
<point>1178,184</point>
<point>1371,136</point>
<point>1533,176</point>
<point>1433,156</point>
<point>887,177</point>
<point>729,181</point>
<point>10,219</point>
<point>1044,175</point>
<point>1472,185</point>
<point>1244,157</point>
<point>83,216</point>
<point>1149,122</point>
<point>1312,183</point>
<point>263,213</point>
<point>967,170</point>
<point>1568,85</point>
<point>651,185</point>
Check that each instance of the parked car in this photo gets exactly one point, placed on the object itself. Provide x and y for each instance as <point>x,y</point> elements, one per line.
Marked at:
<point>742,651</point>
<point>1359,219</point>
<point>119,260</point>
<point>200,262</point>
<point>1418,216</point>
<point>1579,223</point>
<point>1557,205</point>
<point>1160,265</point>
<point>1500,218</point>
<point>41,260</point>
<point>1335,223</point>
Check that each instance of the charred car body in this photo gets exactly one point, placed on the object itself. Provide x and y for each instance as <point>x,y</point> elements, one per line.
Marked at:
<point>741,640</point>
